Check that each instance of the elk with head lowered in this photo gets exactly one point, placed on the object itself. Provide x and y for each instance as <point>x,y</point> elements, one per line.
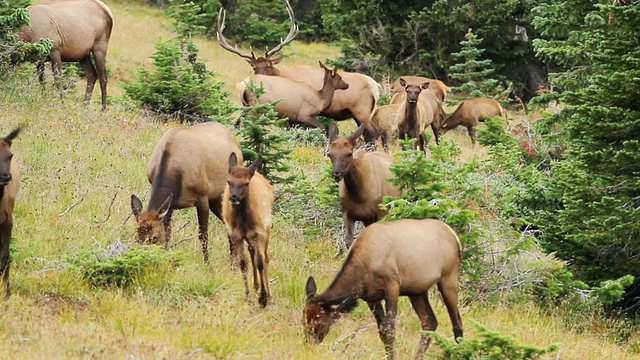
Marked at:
<point>389,260</point>
<point>469,112</point>
<point>247,205</point>
<point>78,28</point>
<point>357,102</point>
<point>364,180</point>
<point>9,186</point>
<point>188,167</point>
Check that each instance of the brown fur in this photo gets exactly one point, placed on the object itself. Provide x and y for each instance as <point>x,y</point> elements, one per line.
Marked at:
<point>247,205</point>
<point>414,115</point>
<point>78,29</point>
<point>188,167</point>
<point>384,120</point>
<point>469,112</point>
<point>439,88</point>
<point>357,102</point>
<point>389,260</point>
<point>9,186</point>
<point>363,180</point>
<point>300,103</point>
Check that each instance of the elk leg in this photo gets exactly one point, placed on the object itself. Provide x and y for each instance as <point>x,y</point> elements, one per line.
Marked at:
<point>378,313</point>
<point>92,76</point>
<point>436,128</point>
<point>349,225</point>
<point>166,221</point>
<point>202,207</point>
<point>388,328</point>
<point>422,140</point>
<point>40,70</point>
<point>449,288</point>
<point>427,319</point>
<point>5,260</point>
<point>236,243</point>
<point>313,122</point>
<point>56,68</point>
<point>216,207</point>
<point>263,269</point>
<point>472,134</point>
<point>100,55</point>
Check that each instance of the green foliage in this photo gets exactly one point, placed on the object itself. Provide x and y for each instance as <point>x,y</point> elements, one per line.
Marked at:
<point>488,344</point>
<point>181,86</point>
<point>13,16</point>
<point>125,269</point>
<point>188,17</point>
<point>260,134</point>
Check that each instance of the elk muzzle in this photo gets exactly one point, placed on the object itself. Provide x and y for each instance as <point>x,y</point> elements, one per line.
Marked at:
<point>5,178</point>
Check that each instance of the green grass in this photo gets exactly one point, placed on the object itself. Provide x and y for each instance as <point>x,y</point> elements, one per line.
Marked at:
<point>80,168</point>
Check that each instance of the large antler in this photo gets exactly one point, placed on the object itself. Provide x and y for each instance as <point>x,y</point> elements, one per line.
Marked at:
<point>223,41</point>
<point>293,31</point>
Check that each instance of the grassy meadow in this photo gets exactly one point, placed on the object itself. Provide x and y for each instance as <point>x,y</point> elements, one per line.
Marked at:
<point>80,167</point>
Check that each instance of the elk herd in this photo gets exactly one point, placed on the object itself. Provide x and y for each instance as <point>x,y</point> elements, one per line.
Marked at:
<point>201,166</point>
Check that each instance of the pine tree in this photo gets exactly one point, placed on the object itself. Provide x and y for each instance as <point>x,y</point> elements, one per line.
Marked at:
<point>472,73</point>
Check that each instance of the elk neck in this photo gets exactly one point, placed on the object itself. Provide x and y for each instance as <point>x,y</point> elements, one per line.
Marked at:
<point>165,183</point>
<point>347,284</point>
<point>355,180</point>
<point>242,215</point>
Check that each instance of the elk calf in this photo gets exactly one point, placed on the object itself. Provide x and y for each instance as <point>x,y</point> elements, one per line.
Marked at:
<point>389,260</point>
<point>188,167</point>
<point>247,205</point>
<point>9,186</point>
<point>384,120</point>
<point>414,115</point>
<point>364,180</point>
<point>469,112</point>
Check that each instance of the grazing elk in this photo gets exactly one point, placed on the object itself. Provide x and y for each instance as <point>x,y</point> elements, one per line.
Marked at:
<point>364,180</point>
<point>188,167</point>
<point>247,205</point>
<point>413,115</point>
<point>389,260</point>
<point>78,29</point>
<point>300,103</point>
<point>9,186</point>
<point>357,102</point>
<point>469,112</point>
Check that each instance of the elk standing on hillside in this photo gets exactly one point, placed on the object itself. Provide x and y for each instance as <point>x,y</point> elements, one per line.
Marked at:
<point>389,260</point>
<point>78,29</point>
<point>188,167</point>
<point>9,186</point>
<point>247,205</point>
<point>364,180</point>
<point>469,112</point>
<point>414,116</point>
<point>300,103</point>
<point>357,102</point>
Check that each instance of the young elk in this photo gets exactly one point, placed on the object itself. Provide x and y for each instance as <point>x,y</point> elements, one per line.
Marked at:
<point>187,168</point>
<point>384,121</point>
<point>469,112</point>
<point>9,186</point>
<point>247,205</point>
<point>414,115</point>
<point>389,260</point>
<point>300,102</point>
<point>363,180</point>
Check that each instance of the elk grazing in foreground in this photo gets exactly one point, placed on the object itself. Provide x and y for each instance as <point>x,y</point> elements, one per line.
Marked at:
<point>300,103</point>
<point>389,260</point>
<point>469,112</point>
<point>413,115</point>
<point>9,186</point>
<point>188,167</point>
<point>247,205</point>
<point>357,102</point>
<point>78,29</point>
<point>364,180</point>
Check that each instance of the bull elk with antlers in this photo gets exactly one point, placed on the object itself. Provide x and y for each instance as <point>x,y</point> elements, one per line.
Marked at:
<point>356,102</point>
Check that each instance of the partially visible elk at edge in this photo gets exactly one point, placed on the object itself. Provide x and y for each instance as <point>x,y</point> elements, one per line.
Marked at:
<point>364,180</point>
<point>357,102</point>
<point>299,102</point>
<point>188,167</point>
<point>247,205</point>
<point>389,260</point>
<point>78,28</point>
<point>469,112</point>
<point>9,186</point>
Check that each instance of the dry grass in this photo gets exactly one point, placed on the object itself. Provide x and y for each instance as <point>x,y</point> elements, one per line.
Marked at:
<point>81,166</point>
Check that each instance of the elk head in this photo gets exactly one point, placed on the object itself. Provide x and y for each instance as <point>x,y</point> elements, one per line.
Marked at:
<point>263,64</point>
<point>5,156</point>
<point>240,177</point>
<point>341,150</point>
<point>332,78</point>
<point>152,225</point>
<point>320,316</point>
<point>413,91</point>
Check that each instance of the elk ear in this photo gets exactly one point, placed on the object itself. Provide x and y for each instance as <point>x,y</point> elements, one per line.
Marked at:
<point>333,132</point>
<point>425,85</point>
<point>256,164</point>
<point>276,60</point>
<point>233,160</point>
<point>356,135</point>
<point>136,206</point>
<point>163,210</point>
<point>403,82</point>
<point>311,287</point>
<point>12,135</point>
<point>323,66</point>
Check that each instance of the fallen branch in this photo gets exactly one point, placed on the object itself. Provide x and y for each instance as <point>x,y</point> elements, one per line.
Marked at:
<point>350,335</point>
<point>73,205</point>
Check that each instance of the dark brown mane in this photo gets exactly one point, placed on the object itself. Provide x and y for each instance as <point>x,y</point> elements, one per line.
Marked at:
<point>165,182</point>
